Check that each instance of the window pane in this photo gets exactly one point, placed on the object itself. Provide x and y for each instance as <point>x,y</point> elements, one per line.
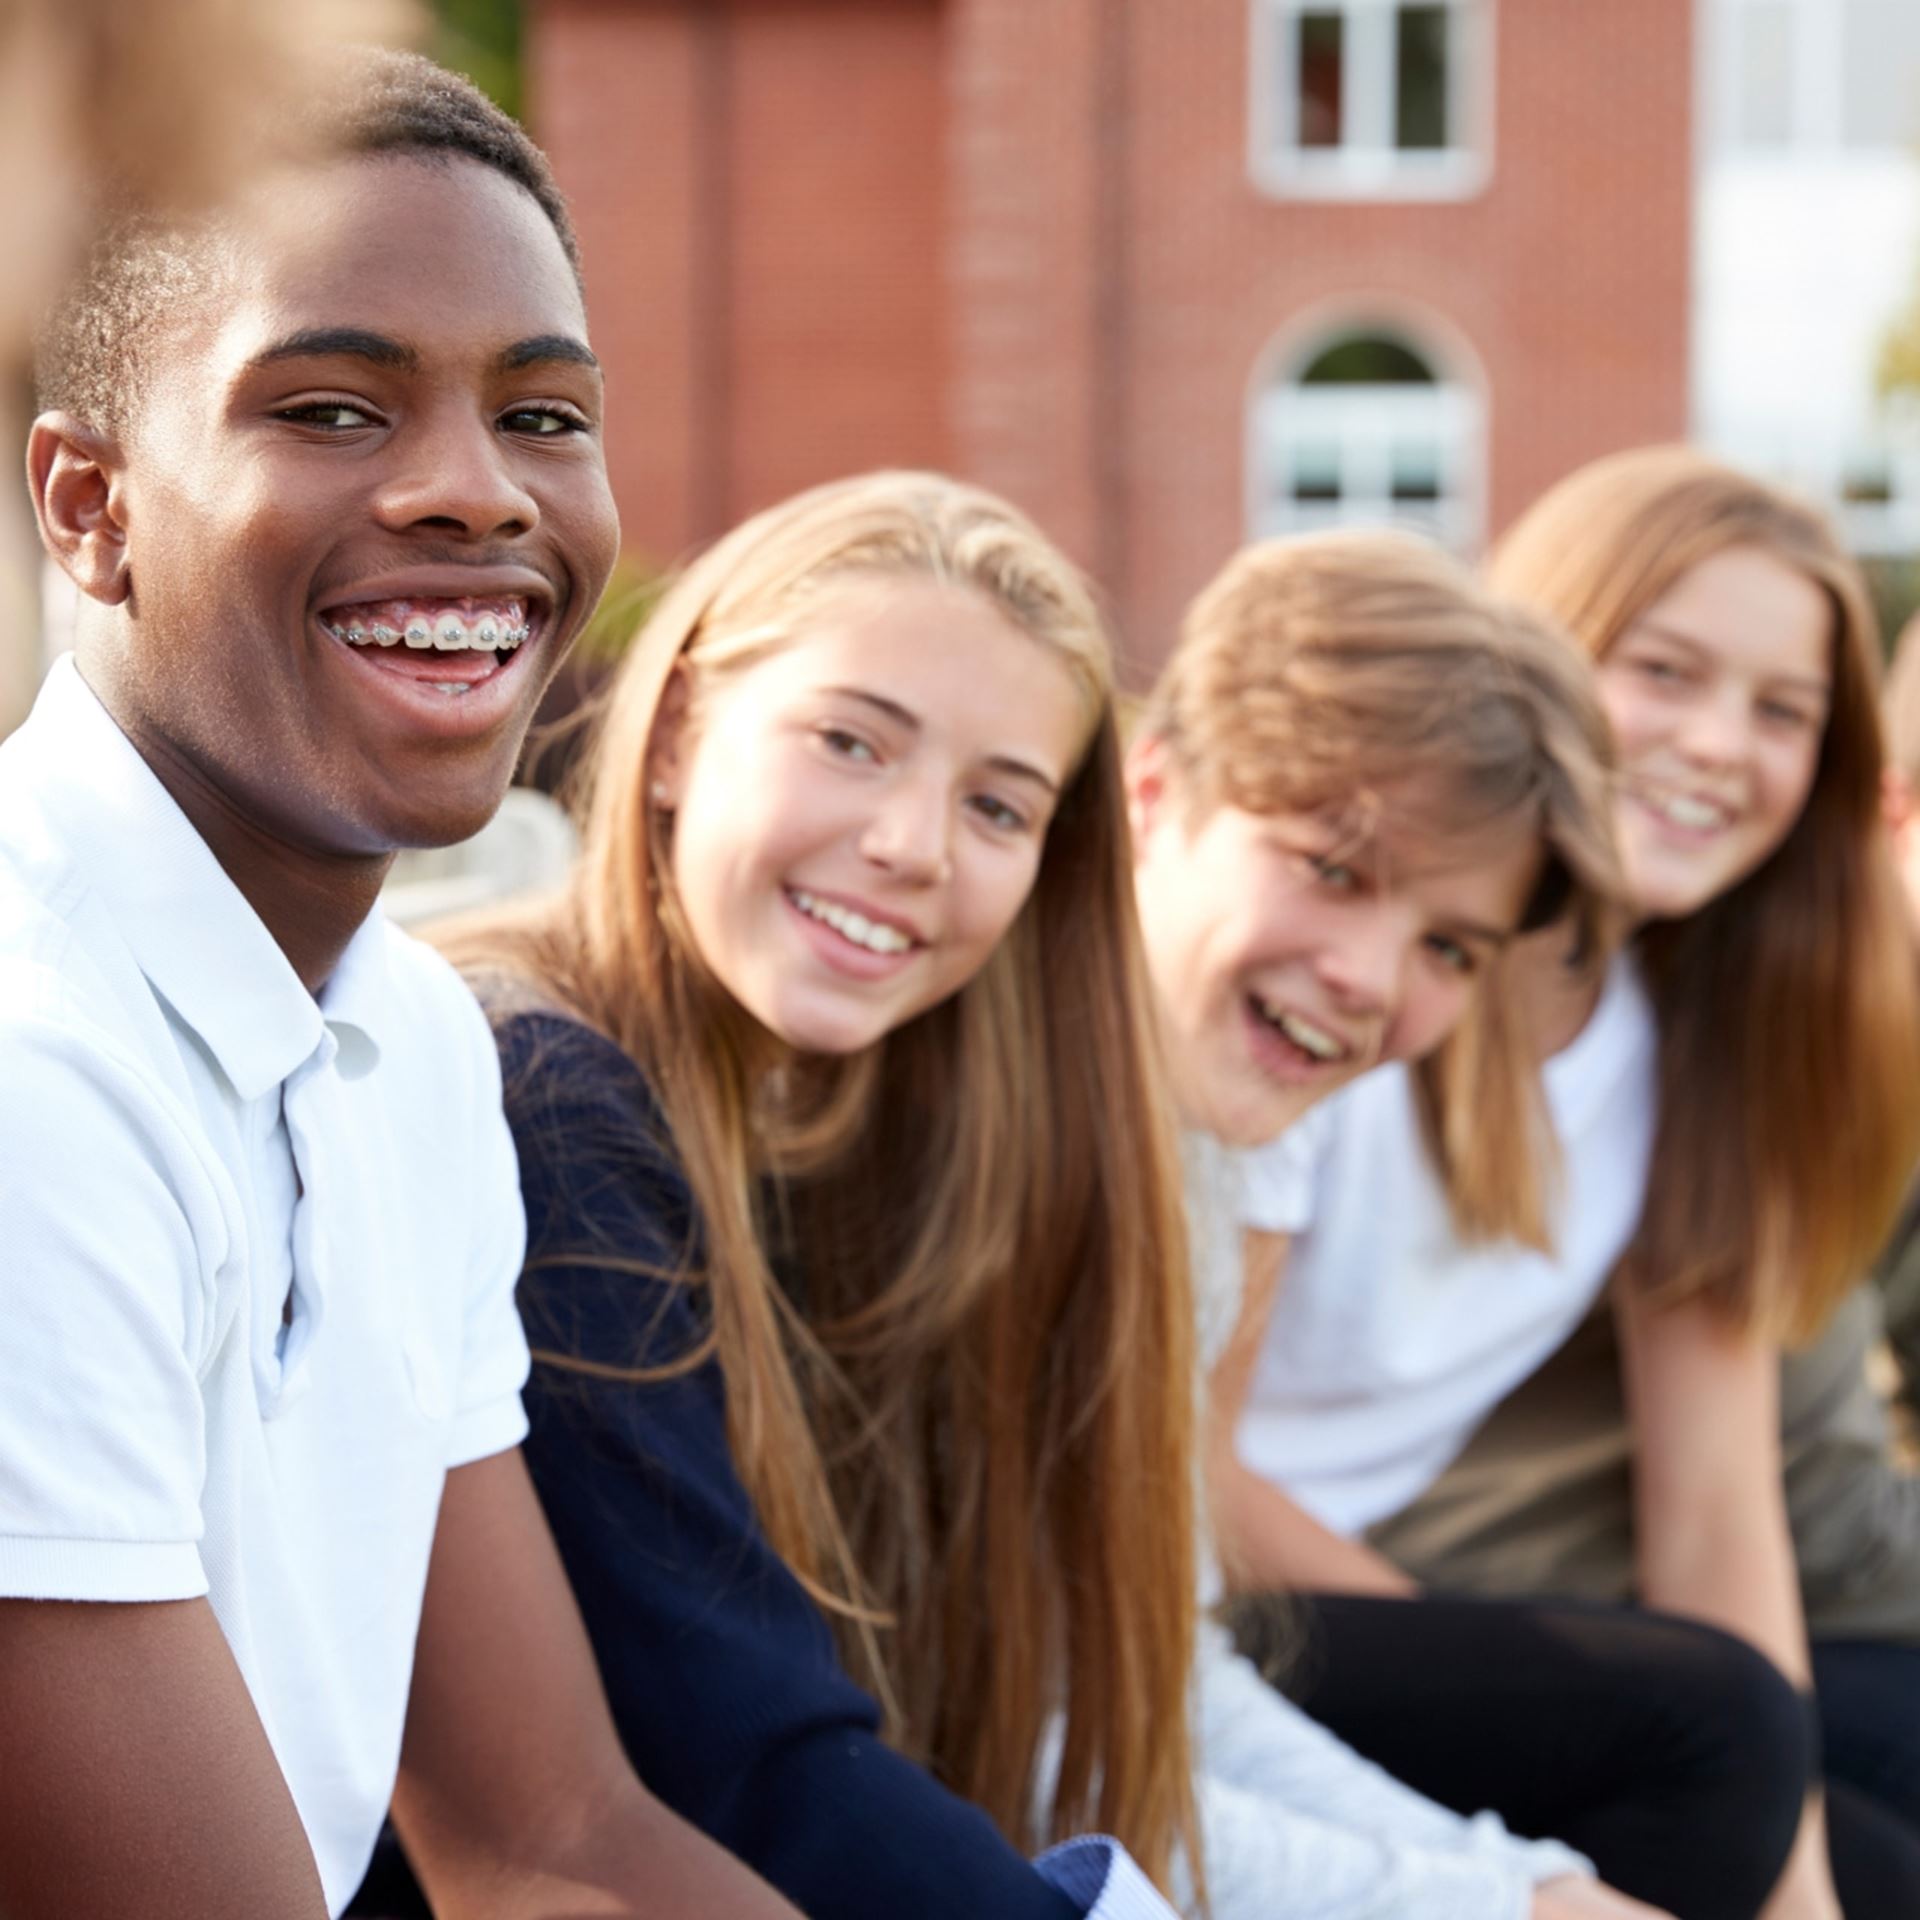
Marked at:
<point>1367,359</point>
<point>1867,480</point>
<point>1764,73</point>
<point>1882,73</point>
<point>1421,64</point>
<point>1322,58</point>
<point>1415,469</point>
<point>1316,471</point>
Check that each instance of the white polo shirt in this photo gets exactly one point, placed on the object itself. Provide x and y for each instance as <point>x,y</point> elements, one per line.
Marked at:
<point>257,1260</point>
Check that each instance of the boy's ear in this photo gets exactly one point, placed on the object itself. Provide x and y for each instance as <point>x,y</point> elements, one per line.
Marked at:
<point>75,475</point>
<point>1149,782</point>
<point>1896,800</point>
<point>667,750</point>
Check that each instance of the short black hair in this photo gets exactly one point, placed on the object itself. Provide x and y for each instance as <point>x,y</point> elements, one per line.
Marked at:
<point>88,360</point>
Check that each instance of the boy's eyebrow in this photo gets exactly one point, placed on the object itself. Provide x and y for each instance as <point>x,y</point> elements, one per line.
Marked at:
<point>906,717</point>
<point>360,343</point>
<point>548,346</point>
<point>1478,931</point>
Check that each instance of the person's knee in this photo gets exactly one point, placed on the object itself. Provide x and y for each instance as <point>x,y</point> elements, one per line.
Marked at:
<point>1757,1728</point>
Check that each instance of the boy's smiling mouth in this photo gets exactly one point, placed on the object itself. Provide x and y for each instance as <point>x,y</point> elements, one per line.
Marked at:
<point>452,645</point>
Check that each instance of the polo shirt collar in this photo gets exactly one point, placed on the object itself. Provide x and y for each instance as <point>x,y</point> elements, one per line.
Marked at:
<point>189,928</point>
<point>354,1002</point>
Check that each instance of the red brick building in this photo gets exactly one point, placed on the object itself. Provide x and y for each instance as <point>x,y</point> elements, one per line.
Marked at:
<point>1164,271</point>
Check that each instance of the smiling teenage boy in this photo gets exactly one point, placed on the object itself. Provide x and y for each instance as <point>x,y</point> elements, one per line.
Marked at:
<point>328,474</point>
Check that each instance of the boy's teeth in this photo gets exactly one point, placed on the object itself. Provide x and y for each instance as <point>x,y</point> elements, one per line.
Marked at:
<point>1309,1038</point>
<point>856,927</point>
<point>499,628</point>
<point>1314,1041</point>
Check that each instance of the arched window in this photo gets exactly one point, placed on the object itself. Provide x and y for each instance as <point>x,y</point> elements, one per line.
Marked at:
<point>1365,428</point>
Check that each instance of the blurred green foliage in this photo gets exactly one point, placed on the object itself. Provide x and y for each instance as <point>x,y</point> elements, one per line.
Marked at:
<point>631,596</point>
<point>482,39</point>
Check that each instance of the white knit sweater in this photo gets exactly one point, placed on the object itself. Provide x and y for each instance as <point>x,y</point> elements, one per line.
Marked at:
<point>1293,1822</point>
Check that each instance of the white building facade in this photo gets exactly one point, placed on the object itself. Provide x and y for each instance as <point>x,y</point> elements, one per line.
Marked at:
<point>1807,248</point>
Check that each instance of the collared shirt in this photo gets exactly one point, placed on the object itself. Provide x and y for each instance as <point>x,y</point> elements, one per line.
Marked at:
<point>259,1257</point>
<point>1100,1875</point>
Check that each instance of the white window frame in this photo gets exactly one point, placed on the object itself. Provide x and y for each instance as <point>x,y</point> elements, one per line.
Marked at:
<point>1362,421</point>
<point>1367,165</point>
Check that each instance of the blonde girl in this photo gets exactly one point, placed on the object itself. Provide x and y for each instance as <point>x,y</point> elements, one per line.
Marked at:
<point>855,1260</point>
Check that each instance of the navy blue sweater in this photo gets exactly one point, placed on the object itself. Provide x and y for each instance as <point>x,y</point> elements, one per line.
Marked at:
<point>720,1669</point>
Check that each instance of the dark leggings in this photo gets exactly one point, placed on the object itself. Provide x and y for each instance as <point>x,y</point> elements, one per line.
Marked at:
<point>1870,1719</point>
<point>1675,1757</point>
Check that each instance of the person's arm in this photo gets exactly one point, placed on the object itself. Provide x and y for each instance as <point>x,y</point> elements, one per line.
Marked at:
<point>136,1782</point>
<point>1589,1900</point>
<point>136,1779</point>
<point>1711,1534</point>
<point>514,1799</point>
<point>1266,1540</point>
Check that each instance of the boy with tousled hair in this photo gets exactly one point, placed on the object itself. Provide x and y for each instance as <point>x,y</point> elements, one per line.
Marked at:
<point>326,469</point>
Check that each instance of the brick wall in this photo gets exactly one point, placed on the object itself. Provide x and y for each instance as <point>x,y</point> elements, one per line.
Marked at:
<point>1020,237</point>
<point>760,191</point>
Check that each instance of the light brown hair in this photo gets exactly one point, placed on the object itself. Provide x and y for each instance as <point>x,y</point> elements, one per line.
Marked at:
<point>1789,1036</point>
<point>1319,674</point>
<point>973,1441</point>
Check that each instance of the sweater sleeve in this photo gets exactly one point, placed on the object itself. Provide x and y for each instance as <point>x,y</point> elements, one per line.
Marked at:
<point>720,1670</point>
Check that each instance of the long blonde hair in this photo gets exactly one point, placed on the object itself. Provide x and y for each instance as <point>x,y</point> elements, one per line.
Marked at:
<point>1316,673</point>
<point>1789,1035</point>
<point>968,1427</point>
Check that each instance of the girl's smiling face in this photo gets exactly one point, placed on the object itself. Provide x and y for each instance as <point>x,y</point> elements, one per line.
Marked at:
<point>1718,697</point>
<point>858,815</point>
<point>1287,959</point>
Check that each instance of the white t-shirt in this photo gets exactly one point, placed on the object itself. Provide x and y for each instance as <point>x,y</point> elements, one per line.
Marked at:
<point>1390,1339</point>
<point>259,1259</point>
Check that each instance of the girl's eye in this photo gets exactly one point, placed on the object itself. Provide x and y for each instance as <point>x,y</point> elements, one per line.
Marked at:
<point>999,813</point>
<point>544,422</point>
<point>1452,954</point>
<point>1654,669</point>
<point>1783,714</point>
<point>328,413</point>
<point>848,746</point>
<point>1334,873</point>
